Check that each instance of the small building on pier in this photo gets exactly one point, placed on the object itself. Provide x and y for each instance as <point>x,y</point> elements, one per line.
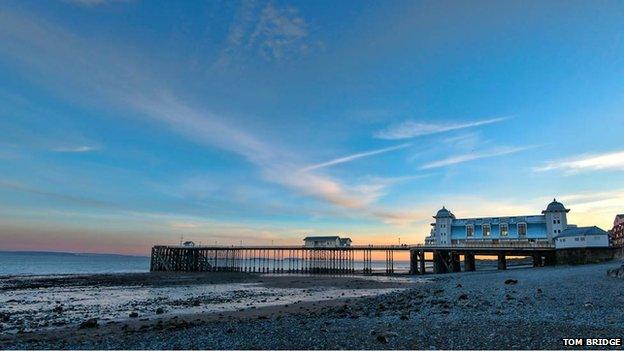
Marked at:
<point>579,237</point>
<point>326,241</point>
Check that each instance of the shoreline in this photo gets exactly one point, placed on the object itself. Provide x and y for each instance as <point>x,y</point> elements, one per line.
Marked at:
<point>457,310</point>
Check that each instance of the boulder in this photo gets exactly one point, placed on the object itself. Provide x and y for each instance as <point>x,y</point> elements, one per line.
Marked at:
<point>616,272</point>
<point>89,323</point>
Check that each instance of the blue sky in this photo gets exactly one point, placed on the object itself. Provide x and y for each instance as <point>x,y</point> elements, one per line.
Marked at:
<point>130,123</point>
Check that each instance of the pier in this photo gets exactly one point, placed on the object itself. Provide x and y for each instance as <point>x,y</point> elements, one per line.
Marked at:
<point>357,259</point>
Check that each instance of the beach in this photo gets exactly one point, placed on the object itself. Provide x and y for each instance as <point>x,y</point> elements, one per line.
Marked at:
<point>520,308</point>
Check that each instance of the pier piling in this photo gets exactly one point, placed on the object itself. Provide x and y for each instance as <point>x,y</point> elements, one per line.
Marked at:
<point>502,261</point>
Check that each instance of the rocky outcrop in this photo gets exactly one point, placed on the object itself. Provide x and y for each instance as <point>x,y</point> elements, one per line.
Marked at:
<point>616,272</point>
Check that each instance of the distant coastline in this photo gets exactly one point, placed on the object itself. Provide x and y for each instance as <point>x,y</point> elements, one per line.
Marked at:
<point>68,253</point>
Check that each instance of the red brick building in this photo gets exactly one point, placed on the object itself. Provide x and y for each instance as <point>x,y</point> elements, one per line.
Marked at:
<point>617,232</point>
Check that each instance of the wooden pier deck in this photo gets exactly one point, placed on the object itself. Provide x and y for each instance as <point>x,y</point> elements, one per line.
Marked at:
<point>356,259</point>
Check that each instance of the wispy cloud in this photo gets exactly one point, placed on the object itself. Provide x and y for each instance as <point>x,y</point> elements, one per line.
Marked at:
<point>411,129</point>
<point>595,162</point>
<point>356,156</point>
<point>184,225</point>
<point>271,32</point>
<point>279,31</point>
<point>474,156</point>
<point>76,149</point>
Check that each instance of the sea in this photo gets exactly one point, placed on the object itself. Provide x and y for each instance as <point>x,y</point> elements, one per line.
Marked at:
<point>46,263</point>
<point>49,263</point>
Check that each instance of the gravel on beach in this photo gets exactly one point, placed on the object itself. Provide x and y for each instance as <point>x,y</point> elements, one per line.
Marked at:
<point>532,308</point>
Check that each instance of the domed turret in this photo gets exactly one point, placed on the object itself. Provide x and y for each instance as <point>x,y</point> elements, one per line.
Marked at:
<point>555,206</point>
<point>444,213</point>
<point>441,234</point>
<point>556,218</point>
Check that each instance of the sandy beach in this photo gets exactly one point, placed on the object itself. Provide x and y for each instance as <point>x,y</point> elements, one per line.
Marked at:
<point>520,308</point>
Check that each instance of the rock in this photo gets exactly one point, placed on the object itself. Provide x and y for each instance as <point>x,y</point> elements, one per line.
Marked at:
<point>89,323</point>
<point>462,297</point>
<point>382,339</point>
<point>160,310</point>
<point>5,317</point>
<point>616,272</point>
<point>511,282</point>
<point>458,286</point>
<point>404,317</point>
<point>133,314</point>
<point>58,309</point>
<point>539,291</point>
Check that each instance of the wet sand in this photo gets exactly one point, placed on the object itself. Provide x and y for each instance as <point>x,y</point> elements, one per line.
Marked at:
<point>461,310</point>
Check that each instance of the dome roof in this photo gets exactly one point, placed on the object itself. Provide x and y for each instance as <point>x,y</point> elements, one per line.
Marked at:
<point>444,213</point>
<point>555,206</point>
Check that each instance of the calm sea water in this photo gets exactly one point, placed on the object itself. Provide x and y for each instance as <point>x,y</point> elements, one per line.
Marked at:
<point>40,263</point>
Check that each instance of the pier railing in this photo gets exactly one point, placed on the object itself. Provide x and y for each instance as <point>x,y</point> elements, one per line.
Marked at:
<point>479,244</point>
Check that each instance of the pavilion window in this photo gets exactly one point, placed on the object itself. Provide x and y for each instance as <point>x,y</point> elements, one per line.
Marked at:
<point>522,229</point>
<point>504,229</point>
<point>486,230</point>
<point>469,231</point>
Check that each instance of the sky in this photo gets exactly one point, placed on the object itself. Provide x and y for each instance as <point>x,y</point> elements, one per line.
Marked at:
<point>128,123</point>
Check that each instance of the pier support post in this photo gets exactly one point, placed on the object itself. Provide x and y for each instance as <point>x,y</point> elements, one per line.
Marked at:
<point>413,262</point>
<point>469,262</point>
<point>537,260</point>
<point>455,266</point>
<point>502,261</point>
<point>550,259</point>
<point>421,262</point>
<point>440,261</point>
